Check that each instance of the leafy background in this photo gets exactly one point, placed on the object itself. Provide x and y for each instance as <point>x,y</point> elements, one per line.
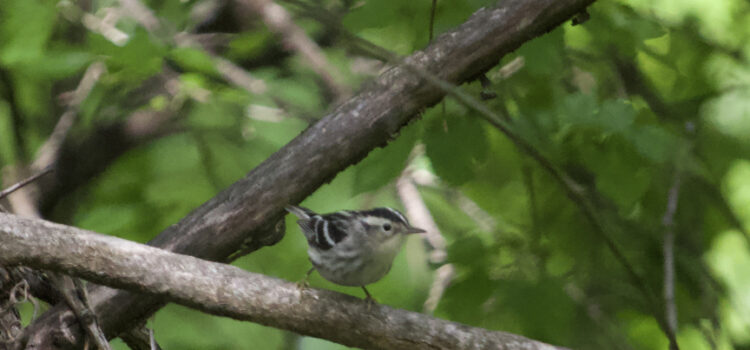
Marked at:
<point>640,95</point>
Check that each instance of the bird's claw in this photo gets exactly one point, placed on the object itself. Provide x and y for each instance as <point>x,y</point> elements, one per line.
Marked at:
<point>303,284</point>
<point>369,299</point>
<point>370,302</point>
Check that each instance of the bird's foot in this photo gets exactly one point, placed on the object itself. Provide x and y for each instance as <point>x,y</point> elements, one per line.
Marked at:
<point>369,299</point>
<point>304,283</point>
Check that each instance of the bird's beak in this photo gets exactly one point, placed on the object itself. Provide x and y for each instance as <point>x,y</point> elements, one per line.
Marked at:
<point>410,229</point>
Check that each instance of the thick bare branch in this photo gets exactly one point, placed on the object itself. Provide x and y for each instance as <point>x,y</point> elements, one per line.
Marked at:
<point>248,210</point>
<point>226,290</point>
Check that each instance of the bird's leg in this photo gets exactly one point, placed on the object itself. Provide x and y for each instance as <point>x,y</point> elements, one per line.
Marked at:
<point>369,299</point>
<point>302,284</point>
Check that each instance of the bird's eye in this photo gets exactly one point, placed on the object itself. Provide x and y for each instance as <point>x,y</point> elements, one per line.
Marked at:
<point>387,227</point>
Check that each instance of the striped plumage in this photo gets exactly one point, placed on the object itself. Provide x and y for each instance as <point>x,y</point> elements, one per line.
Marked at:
<point>353,248</point>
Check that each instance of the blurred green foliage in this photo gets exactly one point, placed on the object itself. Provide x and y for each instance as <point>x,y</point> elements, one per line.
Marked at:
<point>642,91</point>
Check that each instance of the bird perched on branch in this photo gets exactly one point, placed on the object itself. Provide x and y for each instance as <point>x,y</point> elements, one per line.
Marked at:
<point>353,248</point>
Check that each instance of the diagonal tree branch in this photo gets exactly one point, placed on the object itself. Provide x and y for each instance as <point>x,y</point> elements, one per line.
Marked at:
<point>249,209</point>
<point>226,290</point>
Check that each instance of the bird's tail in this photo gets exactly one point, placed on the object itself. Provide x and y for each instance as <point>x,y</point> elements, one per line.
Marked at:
<point>300,212</point>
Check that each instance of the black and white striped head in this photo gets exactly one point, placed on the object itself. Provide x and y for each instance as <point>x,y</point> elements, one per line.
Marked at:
<point>386,221</point>
<point>324,231</point>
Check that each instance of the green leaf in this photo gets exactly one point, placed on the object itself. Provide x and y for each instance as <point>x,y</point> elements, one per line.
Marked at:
<point>456,146</point>
<point>249,45</point>
<point>543,55</point>
<point>655,143</point>
<point>621,174</point>
<point>469,251</point>
<point>615,116</point>
<point>25,27</point>
<point>576,110</point>
<point>138,59</point>
<point>584,111</point>
<point>53,64</point>
<point>113,219</point>
<point>537,129</point>
<point>464,298</point>
<point>214,114</point>
<point>362,16</point>
<point>537,305</point>
<point>384,164</point>
<point>193,60</point>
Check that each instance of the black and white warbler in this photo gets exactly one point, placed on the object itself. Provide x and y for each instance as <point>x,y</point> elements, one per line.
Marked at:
<point>353,248</point>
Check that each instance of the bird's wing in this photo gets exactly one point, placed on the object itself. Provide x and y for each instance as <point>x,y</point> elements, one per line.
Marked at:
<point>324,231</point>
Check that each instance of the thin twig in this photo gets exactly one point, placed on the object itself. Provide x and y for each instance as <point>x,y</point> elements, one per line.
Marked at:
<point>481,218</point>
<point>152,340</point>
<point>443,278</point>
<point>74,294</point>
<point>24,289</point>
<point>280,22</point>
<point>136,10</point>
<point>234,74</point>
<point>670,307</point>
<point>528,180</point>
<point>419,214</point>
<point>231,72</point>
<point>433,7</point>
<point>104,26</point>
<point>140,337</point>
<point>25,182</point>
<point>10,318</point>
<point>607,326</point>
<point>207,161</point>
<point>25,202</point>
<point>417,211</point>
<point>50,150</point>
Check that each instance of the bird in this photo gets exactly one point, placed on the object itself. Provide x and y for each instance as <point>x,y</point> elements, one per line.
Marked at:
<point>353,248</point>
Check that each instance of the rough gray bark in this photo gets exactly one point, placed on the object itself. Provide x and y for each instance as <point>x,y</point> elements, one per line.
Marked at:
<point>250,207</point>
<point>226,290</point>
